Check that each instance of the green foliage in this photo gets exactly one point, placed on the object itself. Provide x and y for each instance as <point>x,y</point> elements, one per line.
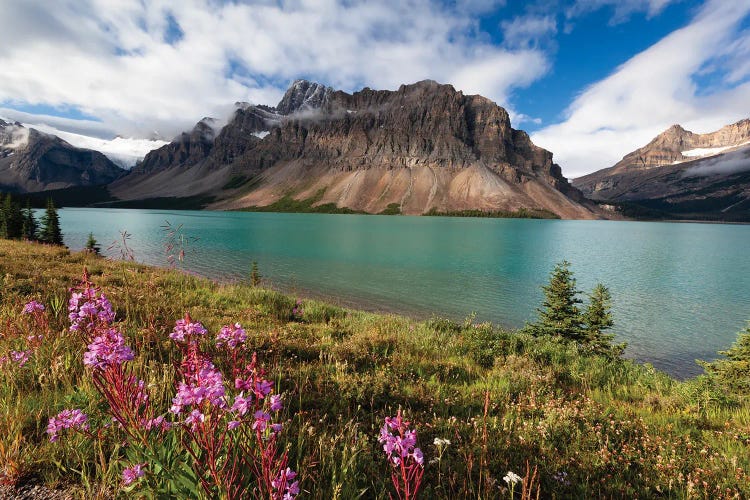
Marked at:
<point>30,225</point>
<point>11,218</point>
<point>92,245</point>
<point>616,429</point>
<point>560,314</point>
<point>732,372</point>
<point>392,209</point>
<point>596,320</point>
<point>521,213</point>
<point>255,276</point>
<point>50,232</point>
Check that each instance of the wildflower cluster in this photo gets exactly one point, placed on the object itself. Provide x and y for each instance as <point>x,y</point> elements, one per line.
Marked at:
<point>225,430</point>
<point>31,335</point>
<point>67,419</point>
<point>400,446</point>
<point>298,311</point>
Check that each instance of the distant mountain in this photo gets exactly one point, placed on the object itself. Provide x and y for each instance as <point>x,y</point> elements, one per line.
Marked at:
<point>422,147</point>
<point>682,174</point>
<point>32,161</point>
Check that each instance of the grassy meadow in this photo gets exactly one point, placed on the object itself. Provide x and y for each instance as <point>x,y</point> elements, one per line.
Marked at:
<point>505,401</point>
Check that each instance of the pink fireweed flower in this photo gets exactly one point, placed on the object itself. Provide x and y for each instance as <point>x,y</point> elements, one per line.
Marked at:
<point>231,336</point>
<point>233,424</point>
<point>159,423</point>
<point>283,484</point>
<point>107,349</point>
<point>32,307</point>
<point>132,474</point>
<point>206,386</point>
<point>20,357</point>
<point>186,328</point>
<point>276,403</point>
<point>194,418</point>
<point>276,428</point>
<point>261,420</point>
<point>67,419</point>
<point>88,308</point>
<point>242,404</point>
<point>399,443</point>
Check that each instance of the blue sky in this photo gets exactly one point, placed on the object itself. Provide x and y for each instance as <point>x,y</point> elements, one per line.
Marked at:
<point>590,80</point>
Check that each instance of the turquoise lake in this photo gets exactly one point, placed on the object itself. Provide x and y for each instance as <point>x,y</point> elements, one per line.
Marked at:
<point>680,291</point>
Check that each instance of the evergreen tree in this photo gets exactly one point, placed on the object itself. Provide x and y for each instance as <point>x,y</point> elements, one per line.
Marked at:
<point>92,245</point>
<point>255,275</point>
<point>12,218</point>
<point>733,372</point>
<point>30,226</point>
<point>559,314</point>
<point>51,225</point>
<point>596,319</point>
<point>3,221</point>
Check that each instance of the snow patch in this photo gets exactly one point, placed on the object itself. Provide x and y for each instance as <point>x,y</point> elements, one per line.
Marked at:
<point>697,152</point>
<point>125,152</point>
<point>261,135</point>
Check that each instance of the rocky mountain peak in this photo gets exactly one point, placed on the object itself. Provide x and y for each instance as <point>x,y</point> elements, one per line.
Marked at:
<point>303,95</point>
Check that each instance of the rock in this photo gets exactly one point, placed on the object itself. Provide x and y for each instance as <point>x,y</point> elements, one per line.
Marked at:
<point>32,161</point>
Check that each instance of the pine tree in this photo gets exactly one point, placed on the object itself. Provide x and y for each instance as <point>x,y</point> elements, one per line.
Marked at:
<point>559,314</point>
<point>733,372</point>
<point>51,225</point>
<point>30,226</point>
<point>92,245</point>
<point>596,319</point>
<point>255,275</point>
<point>3,221</point>
<point>12,218</point>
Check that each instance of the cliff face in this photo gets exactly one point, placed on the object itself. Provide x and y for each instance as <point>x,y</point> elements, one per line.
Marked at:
<point>31,161</point>
<point>424,146</point>
<point>683,174</point>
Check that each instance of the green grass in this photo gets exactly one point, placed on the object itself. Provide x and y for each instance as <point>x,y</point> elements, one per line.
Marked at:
<point>616,428</point>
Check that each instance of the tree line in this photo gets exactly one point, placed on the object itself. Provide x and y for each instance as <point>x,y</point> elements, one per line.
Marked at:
<point>19,223</point>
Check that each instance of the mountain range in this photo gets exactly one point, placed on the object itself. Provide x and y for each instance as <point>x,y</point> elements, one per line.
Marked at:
<point>424,148</point>
<point>681,174</point>
<point>32,161</point>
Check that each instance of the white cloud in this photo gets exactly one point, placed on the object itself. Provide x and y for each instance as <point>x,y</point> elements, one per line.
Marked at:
<point>653,90</point>
<point>529,30</point>
<point>623,9</point>
<point>111,60</point>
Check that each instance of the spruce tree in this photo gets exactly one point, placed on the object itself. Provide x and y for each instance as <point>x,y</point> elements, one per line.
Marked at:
<point>3,221</point>
<point>51,225</point>
<point>596,319</point>
<point>92,245</point>
<point>733,371</point>
<point>30,226</point>
<point>255,276</point>
<point>559,314</point>
<point>12,218</point>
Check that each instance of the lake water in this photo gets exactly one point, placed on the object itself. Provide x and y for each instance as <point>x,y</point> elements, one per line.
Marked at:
<point>680,291</point>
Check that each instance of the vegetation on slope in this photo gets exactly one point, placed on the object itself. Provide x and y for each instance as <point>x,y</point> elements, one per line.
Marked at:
<point>484,401</point>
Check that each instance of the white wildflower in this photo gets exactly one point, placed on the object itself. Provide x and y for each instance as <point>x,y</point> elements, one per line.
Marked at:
<point>441,442</point>
<point>511,477</point>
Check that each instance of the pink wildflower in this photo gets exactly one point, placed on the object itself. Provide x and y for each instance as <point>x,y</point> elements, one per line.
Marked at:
<point>186,328</point>
<point>32,307</point>
<point>20,357</point>
<point>131,474</point>
<point>231,336</point>
<point>107,349</point>
<point>67,419</point>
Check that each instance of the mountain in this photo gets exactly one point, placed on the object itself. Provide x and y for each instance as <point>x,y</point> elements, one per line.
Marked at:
<point>422,147</point>
<point>32,161</point>
<point>682,174</point>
